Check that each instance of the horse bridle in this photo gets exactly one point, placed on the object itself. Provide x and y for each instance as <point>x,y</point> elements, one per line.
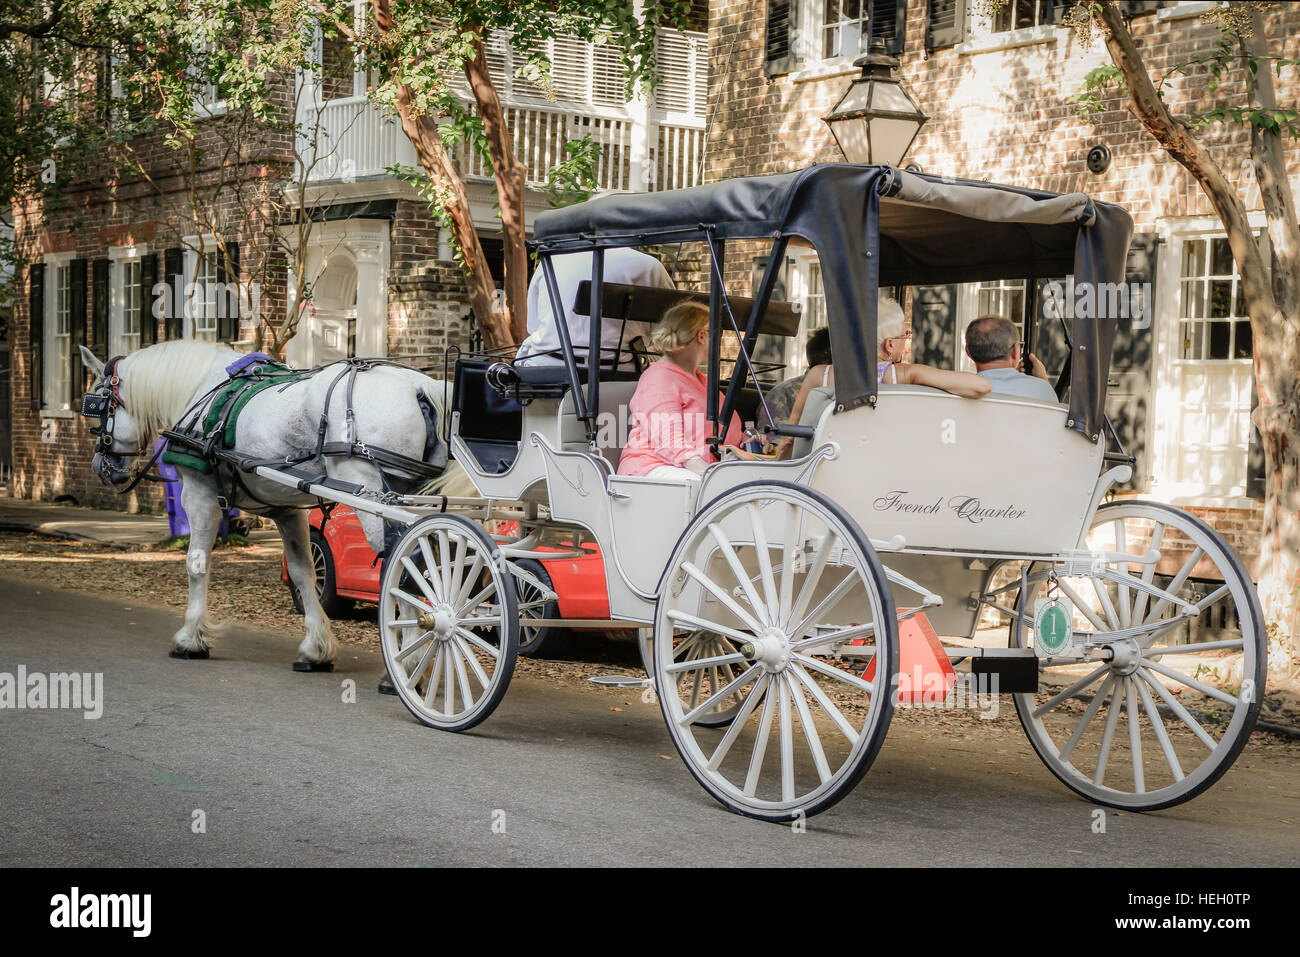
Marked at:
<point>102,404</point>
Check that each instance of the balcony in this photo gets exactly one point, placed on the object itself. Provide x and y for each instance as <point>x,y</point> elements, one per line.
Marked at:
<point>649,144</point>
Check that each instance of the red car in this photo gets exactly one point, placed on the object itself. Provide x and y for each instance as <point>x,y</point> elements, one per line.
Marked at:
<point>347,570</point>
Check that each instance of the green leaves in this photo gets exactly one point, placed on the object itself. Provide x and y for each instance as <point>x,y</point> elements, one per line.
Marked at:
<point>573,179</point>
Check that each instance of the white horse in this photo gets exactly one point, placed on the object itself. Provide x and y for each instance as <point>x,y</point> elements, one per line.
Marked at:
<point>160,384</point>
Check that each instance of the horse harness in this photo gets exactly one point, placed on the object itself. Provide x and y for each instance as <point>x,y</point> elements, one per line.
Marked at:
<point>209,447</point>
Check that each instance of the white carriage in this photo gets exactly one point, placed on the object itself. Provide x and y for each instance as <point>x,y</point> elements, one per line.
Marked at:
<point>770,593</point>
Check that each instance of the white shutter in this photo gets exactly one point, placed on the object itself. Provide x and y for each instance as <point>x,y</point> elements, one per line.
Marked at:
<point>609,80</point>
<point>571,69</point>
<point>674,56</point>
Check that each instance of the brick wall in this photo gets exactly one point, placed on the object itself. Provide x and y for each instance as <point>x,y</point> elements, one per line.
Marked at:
<point>1004,116</point>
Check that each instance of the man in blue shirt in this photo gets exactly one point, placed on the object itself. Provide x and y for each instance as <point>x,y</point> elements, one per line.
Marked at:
<point>993,344</point>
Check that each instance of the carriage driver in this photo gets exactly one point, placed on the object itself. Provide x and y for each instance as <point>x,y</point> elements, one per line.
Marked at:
<point>993,344</point>
<point>622,265</point>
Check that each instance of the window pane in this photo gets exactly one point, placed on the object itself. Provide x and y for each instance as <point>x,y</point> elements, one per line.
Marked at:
<point>1192,340</point>
<point>1194,257</point>
<point>1243,347</point>
<point>1220,298</point>
<point>1220,332</point>
<point>1220,258</point>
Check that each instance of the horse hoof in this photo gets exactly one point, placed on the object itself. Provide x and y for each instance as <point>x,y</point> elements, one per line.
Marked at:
<point>386,685</point>
<point>313,666</point>
<point>187,654</point>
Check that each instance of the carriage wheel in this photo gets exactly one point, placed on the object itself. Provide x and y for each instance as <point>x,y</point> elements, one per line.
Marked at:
<point>1144,730</point>
<point>448,622</point>
<point>767,583</point>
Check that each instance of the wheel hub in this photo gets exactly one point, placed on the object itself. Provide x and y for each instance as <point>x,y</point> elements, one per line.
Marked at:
<point>442,622</point>
<point>1126,655</point>
<point>771,650</point>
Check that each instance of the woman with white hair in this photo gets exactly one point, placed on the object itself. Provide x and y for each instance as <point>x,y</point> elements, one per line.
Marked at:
<point>892,345</point>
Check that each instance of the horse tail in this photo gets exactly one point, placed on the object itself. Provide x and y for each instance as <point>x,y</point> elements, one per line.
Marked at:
<point>454,482</point>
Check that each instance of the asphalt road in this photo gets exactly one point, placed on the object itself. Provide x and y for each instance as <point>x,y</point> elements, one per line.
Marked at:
<point>285,772</point>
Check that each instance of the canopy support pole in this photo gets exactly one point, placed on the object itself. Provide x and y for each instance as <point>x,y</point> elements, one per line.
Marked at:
<point>766,286</point>
<point>566,342</point>
<point>595,311</point>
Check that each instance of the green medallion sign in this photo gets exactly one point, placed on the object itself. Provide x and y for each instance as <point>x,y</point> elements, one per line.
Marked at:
<point>1053,626</point>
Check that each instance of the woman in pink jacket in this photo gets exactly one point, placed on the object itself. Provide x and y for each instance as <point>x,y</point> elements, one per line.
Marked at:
<point>668,423</point>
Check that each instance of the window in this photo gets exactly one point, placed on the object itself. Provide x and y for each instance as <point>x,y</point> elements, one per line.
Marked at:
<point>58,337</point>
<point>204,302</point>
<point>803,32</point>
<point>129,301</point>
<point>1212,319</point>
<point>1019,14</point>
<point>1002,297</point>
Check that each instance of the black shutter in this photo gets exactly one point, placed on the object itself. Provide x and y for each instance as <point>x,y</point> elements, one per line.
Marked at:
<point>227,304</point>
<point>945,23</point>
<point>1128,389</point>
<point>148,321</point>
<point>99,307</point>
<point>1054,11</point>
<point>174,276</point>
<point>77,322</point>
<point>934,326</point>
<point>888,18</point>
<point>36,331</point>
<point>782,31</point>
<point>1132,7</point>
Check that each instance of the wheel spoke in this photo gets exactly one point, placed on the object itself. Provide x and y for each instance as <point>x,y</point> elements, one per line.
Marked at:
<point>836,673</point>
<point>454,577</point>
<point>760,745</point>
<point>737,569</point>
<point>488,591</point>
<point>787,741</point>
<point>413,676</point>
<point>823,606</point>
<point>1177,708</point>
<point>466,694</point>
<point>477,642</point>
<point>843,634</point>
<point>483,679</point>
<point>414,646</point>
<point>719,694</point>
<point>1121,590</point>
<point>832,712</point>
<point>1193,649</point>
<point>449,700</point>
<point>1112,717</point>
<point>444,567</point>
<point>809,730</point>
<point>476,568</point>
<point>432,575</point>
<point>420,580</point>
<point>755,695</point>
<point>1191,682</point>
<point>1158,725</point>
<point>1135,739</point>
<point>788,550</point>
<point>1140,598</point>
<point>694,664</point>
<point>1080,604</point>
<point>812,577</point>
<point>1070,692</point>
<point>764,561</point>
<point>713,589</point>
<point>1093,707</point>
<point>1176,583</point>
<point>1103,599</point>
<point>411,600</point>
<point>703,623</point>
<point>431,689</point>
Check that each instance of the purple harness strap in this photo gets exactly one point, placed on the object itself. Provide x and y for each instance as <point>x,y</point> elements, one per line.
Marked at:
<point>243,362</point>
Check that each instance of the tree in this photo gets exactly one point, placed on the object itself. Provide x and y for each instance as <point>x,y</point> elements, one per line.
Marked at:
<point>422,51</point>
<point>1270,281</point>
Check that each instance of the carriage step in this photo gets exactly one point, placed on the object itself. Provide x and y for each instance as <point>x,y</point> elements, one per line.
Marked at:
<point>621,681</point>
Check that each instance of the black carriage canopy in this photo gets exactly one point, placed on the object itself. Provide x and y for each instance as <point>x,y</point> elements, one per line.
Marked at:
<point>874,226</point>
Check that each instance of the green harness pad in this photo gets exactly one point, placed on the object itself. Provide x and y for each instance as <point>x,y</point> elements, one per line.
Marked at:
<point>239,391</point>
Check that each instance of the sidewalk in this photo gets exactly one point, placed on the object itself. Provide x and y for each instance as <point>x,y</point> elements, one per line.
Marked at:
<point>91,524</point>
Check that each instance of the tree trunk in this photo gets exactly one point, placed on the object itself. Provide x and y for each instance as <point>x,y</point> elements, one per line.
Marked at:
<point>1273,305</point>
<point>422,131</point>
<point>510,178</point>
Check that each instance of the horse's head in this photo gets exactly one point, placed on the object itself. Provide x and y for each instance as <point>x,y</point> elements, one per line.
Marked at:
<point>117,433</point>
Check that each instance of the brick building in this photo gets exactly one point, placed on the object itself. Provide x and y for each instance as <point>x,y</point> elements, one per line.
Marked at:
<point>997,90</point>
<point>381,270</point>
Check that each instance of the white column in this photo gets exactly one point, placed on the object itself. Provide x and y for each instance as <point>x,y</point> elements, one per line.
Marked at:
<point>372,298</point>
<point>640,172</point>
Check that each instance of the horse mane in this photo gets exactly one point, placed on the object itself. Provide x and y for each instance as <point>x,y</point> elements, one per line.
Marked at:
<point>160,382</point>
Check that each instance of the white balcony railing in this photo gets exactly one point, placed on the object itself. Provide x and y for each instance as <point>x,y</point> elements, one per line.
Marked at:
<point>655,145</point>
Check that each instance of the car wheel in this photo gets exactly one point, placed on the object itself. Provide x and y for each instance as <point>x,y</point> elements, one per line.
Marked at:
<point>538,641</point>
<point>330,600</point>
